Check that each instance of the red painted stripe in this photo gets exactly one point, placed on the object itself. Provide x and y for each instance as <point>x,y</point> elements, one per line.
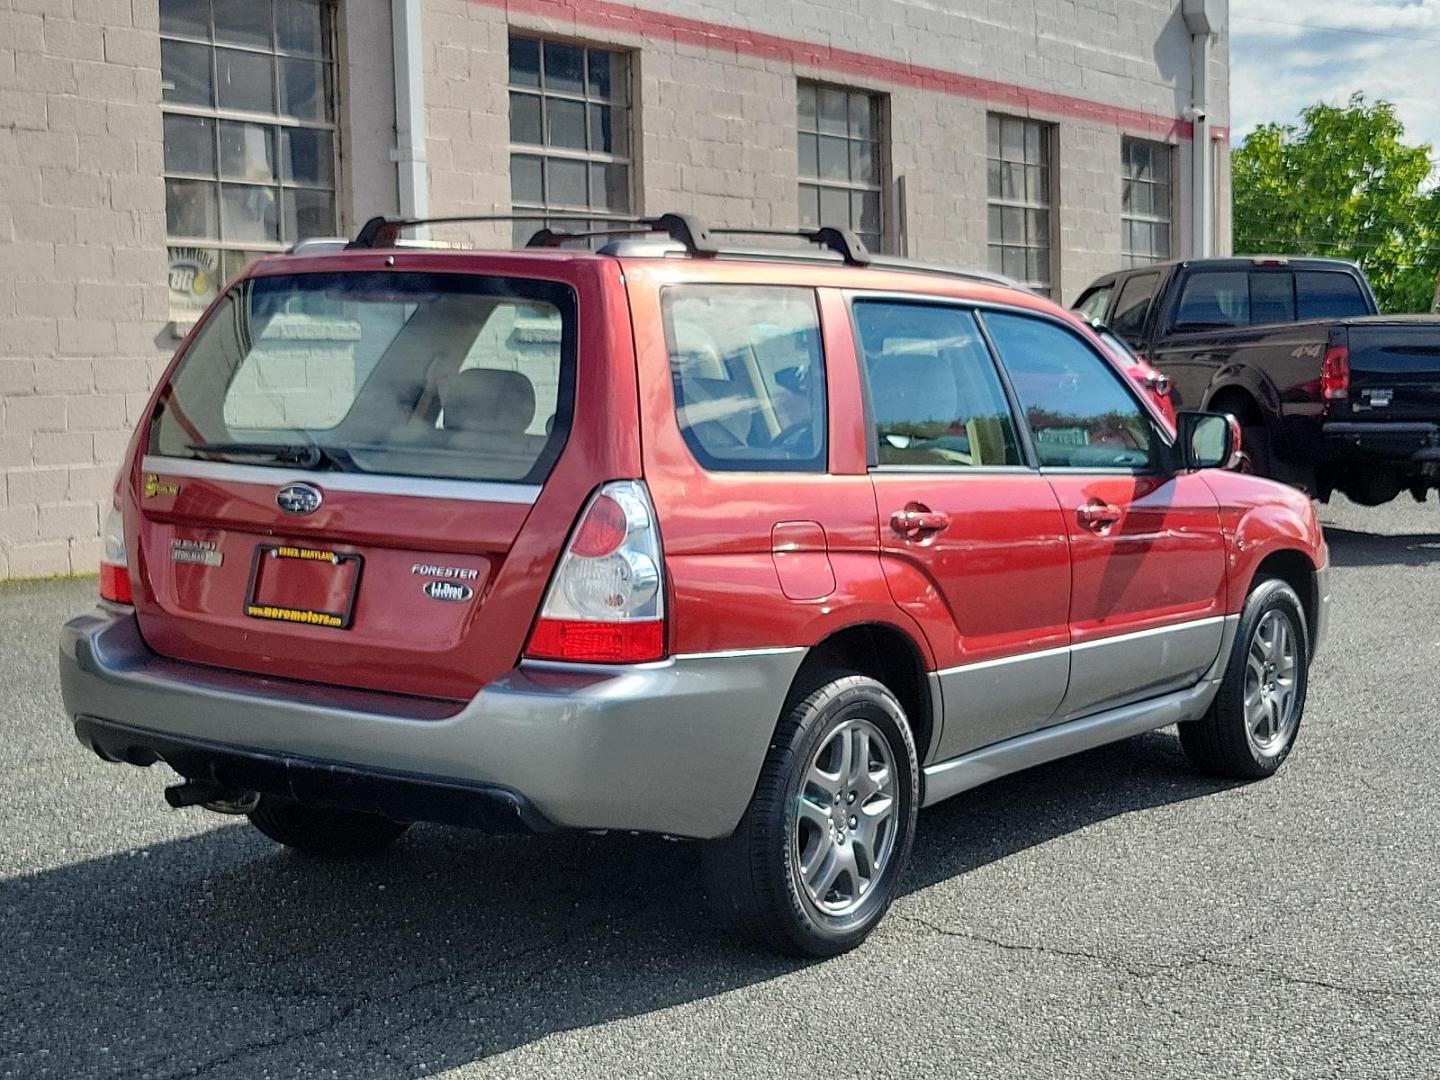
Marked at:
<point>626,18</point>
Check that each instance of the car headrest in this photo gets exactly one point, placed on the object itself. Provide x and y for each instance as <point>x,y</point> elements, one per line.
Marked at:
<point>913,389</point>
<point>488,399</point>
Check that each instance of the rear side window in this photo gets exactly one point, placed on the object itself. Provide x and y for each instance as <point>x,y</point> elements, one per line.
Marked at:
<point>748,374</point>
<point>1081,415</point>
<point>1329,294</point>
<point>1133,305</point>
<point>452,376</point>
<point>1093,304</point>
<point>935,394</point>
<point>1214,300</point>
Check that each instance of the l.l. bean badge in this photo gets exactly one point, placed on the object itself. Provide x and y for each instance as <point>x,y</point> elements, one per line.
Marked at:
<point>155,486</point>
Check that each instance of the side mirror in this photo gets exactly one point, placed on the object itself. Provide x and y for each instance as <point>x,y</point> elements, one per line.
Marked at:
<point>1208,440</point>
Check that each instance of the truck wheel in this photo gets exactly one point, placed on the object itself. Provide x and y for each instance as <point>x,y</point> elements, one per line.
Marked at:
<point>814,863</point>
<point>322,831</point>
<point>1250,727</point>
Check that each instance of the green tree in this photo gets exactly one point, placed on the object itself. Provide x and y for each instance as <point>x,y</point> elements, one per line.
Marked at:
<point>1344,183</point>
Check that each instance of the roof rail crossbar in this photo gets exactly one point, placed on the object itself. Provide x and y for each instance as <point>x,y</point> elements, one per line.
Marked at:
<point>381,232</point>
<point>553,238</point>
<point>839,240</point>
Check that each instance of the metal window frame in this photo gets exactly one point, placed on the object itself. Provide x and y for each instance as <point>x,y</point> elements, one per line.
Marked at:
<point>1049,150</point>
<point>880,141</point>
<point>542,210</point>
<point>274,121</point>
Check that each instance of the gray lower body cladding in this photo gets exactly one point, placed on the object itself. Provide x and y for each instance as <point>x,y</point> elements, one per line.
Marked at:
<point>673,747</point>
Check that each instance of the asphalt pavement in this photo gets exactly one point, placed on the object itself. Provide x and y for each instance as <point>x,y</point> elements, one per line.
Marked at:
<point>1114,915</point>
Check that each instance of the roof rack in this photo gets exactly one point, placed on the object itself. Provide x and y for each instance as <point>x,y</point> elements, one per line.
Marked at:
<point>685,230</point>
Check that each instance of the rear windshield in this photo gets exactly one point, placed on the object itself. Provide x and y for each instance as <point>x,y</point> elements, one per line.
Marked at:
<point>456,376</point>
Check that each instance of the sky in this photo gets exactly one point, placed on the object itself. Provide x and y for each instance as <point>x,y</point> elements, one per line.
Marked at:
<point>1286,54</point>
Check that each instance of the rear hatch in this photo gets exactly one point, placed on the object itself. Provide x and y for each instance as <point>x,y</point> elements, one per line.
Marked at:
<point>356,472</point>
<point>1394,369</point>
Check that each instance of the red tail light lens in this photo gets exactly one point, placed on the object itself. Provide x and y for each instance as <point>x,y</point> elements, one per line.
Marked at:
<point>603,530</point>
<point>114,562</point>
<point>1335,372</point>
<point>598,642</point>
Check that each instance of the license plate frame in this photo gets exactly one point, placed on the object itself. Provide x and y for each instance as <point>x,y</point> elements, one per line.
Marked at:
<point>272,611</point>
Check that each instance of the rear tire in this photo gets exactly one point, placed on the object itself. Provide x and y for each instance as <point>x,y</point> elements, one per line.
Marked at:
<point>1250,727</point>
<point>814,863</point>
<point>322,831</point>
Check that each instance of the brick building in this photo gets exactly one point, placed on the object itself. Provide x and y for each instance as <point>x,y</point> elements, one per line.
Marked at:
<point>149,147</point>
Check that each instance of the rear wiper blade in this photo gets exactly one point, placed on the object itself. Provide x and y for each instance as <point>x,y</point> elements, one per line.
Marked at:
<point>302,455</point>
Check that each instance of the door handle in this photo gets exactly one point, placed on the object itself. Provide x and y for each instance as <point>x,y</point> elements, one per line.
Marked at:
<point>1097,516</point>
<point>914,522</point>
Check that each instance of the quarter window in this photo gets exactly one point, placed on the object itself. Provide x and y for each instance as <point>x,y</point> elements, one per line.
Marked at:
<point>569,131</point>
<point>1018,208</point>
<point>1093,304</point>
<point>1081,415</point>
<point>1133,305</point>
<point>935,395</point>
<point>748,375</point>
<point>248,94</point>
<point>840,164</point>
<point>1145,202</point>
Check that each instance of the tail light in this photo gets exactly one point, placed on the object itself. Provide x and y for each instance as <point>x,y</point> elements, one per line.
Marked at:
<point>114,563</point>
<point>1335,372</point>
<point>606,602</point>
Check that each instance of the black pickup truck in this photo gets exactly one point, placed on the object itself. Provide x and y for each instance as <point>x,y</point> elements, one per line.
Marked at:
<point>1331,395</point>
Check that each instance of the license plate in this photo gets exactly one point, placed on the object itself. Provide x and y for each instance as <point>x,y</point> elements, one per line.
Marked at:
<point>309,586</point>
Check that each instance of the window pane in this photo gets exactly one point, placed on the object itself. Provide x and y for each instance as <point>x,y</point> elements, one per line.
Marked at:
<point>525,119</point>
<point>809,156</point>
<point>598,65</point>
<point>602,130</point>
<point>835,207</point>
<point>304,89</point>
<point>1162,241</point>
<point>298,27</point>
<point>610,187</point>
<point>934,391</point>
<point>862,116</point>
<point>1272,296</point>
<point>993,186</point>
<point>247,152</point>
<point>992,135</point>
<point>190,209</point>
<point>525,180</point>
<point>185,73</point>
<point>1037,226</point>
<point>809,206</point>
<point>834,158</point>
<point>566,122</point>
<point>308,213</point>
<point>764,414</point>
<point>248,213</point>
<point>1012,139</point>
<point>1037,189</point>
<point>1012,225</point>
<point>863,169</point>
<point>1014,263</point>
<point>834,113</point>
<point>807,107</point>
<point>1214,299</point>
<point>244,22</point>
<point>1133,304</point>
<point>1012,181</point>
<point>188,17</point>
<point>245,81</point>
<point>1079,410</point>
<point>995,259</point>
<point>865,211</point>
<point>1037,264</point>
<point>1329,294</point>
<point>524,62</point>
<point>307,157</point>
<point>994,227</point>
<point>189,144</point>
<point>564,69</point>
<point>565,183</point>
<point>1034,139</point>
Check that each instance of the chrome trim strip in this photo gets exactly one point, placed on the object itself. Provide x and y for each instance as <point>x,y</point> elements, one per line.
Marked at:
<point>364,483</point>
<point>1117,639</point>
<point>1048,744</point>
<point>729,654</point>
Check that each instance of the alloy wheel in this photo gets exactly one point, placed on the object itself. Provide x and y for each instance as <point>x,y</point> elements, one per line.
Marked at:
<point>1271,671</point>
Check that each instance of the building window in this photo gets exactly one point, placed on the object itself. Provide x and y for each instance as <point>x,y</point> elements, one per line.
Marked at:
<point>1018,199</point>
<point>1145,205</point>
<point>840,162</point>
<point>249,124</point>
<point>569,131</point>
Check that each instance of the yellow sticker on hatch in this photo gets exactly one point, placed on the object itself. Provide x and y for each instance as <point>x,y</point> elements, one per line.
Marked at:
<point>295,615</point>
<point>155,486</point>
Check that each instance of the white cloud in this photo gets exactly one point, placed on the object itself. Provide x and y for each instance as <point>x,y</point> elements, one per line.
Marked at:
<point>1285,56</point>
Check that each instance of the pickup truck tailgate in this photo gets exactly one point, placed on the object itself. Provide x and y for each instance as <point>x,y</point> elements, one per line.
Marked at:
<point>1394,369</point>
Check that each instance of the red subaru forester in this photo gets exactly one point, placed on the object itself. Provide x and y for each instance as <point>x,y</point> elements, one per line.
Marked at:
<point>764,548</point>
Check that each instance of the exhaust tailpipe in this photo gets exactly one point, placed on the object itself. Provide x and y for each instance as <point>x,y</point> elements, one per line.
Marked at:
<point>211,796</point>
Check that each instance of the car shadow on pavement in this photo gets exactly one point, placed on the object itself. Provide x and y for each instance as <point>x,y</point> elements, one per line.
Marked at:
<point>222,955</point>
<point>1349,547</point>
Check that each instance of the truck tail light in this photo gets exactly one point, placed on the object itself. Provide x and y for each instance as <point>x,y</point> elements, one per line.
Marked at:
<point>606,601</point>
<point>114,563</point>
<point>1335,372</point>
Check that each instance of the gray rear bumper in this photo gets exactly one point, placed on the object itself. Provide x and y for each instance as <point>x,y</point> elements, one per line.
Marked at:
<point>673,747</point>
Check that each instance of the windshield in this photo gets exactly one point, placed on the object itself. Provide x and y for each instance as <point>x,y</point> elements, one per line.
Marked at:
<point>438,375</point>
